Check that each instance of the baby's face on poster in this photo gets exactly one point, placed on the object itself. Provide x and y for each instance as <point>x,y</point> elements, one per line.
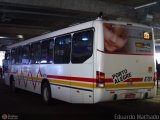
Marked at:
<point>114,38</point>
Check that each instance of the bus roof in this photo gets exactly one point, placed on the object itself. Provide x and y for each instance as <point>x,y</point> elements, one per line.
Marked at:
<point>70,29</point>
<point>54,33</point>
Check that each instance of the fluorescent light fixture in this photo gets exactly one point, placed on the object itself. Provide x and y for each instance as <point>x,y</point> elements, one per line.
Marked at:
<point>145,5</point>
<point>2,37</point>
<point>20,36</point>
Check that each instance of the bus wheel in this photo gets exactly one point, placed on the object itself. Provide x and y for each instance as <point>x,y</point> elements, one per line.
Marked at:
<point>46,93</point>
<point>12,86</point>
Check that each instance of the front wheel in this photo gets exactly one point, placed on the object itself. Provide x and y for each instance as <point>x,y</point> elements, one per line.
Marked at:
<point>46,93</point>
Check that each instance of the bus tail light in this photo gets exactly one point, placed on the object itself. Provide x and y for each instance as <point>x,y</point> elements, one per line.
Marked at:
<point>100,79</point>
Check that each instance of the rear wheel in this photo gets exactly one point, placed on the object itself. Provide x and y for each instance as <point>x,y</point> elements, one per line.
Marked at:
<point>46,93</point>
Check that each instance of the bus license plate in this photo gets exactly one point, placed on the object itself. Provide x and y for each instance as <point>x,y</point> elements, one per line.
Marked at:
<point>130,96</point>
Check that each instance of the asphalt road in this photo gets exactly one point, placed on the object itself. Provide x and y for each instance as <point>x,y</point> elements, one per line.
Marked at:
<point>25,105</point>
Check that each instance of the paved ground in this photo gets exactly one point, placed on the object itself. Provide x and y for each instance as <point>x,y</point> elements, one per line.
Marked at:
<point>26,105</point>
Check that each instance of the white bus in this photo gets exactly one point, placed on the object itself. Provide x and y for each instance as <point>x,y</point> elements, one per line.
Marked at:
<point>92,62</point>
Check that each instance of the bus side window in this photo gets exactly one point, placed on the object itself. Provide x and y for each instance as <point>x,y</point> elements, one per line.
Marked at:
<point>82,46</point>
<point>6,61</point>
<point>25,54</point>
<point>62,49</point>
<point>35,53</point>
<point>47,51</point>
<point>18,55</point>
<point>7,55</point>
<point>13,53</point>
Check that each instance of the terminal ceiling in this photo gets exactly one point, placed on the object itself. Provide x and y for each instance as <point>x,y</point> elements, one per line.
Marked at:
<point>36,17</point>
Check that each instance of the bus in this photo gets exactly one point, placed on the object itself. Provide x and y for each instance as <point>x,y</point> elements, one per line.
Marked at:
<point>91,62</point>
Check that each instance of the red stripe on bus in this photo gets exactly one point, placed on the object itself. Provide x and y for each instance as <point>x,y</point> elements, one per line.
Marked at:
<point>72,78</point>
<point>110,80</point>
<point>134,80</point>
<point>124,53</point>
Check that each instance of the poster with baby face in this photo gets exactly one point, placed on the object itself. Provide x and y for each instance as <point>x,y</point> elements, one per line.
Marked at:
<point>127,39</point>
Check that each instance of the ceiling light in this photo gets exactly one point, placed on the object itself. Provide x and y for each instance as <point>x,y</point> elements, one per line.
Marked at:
<point>20,36</point>
<point>145,5</point>
<point>2,37</point>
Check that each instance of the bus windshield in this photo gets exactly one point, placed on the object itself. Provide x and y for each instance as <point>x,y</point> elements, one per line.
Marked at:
<point>127,39</point>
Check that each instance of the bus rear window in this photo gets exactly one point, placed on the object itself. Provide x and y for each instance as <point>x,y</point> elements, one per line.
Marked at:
<point>127,39</point>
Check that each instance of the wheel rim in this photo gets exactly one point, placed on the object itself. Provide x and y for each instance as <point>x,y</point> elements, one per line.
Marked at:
<point>45,94</point>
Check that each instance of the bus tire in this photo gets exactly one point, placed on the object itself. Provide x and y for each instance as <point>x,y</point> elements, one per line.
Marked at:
<point>46,93</point>
<point>12,85</point>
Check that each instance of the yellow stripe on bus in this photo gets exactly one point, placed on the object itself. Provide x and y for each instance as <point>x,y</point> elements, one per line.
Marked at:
<point>134,85</point>
<point>71,83</point>
<point>82,85</point>
<point>31,78</point>
<point>91,85</point>
<point>60,82</point>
